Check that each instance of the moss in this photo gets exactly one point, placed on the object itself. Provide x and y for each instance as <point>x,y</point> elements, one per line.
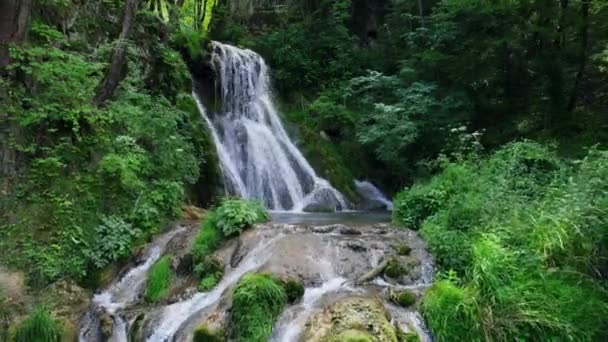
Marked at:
<point>294,289</point>
<point>411,337</point>
<point>323,155</point>
<point>404,298</point>
<point>257,303</point>
<point>208,282</point>
<point>394,269</point>
<point>403,249</point>
<point>204,333</point>
<point>159,280</point>
<point>353,335</point>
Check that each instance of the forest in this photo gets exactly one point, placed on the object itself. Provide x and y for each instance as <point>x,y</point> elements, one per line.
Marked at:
<point>485,123</point>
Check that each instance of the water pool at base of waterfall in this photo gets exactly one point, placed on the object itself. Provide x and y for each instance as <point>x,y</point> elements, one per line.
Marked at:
<point>349,218</point>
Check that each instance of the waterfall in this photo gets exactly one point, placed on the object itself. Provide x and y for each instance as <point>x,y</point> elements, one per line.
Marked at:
<point>372,197</point>
<point>257,158</point>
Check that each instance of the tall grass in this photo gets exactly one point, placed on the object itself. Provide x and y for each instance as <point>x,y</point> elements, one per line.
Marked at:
<point>38,327</point>
<point>257,303</point>
<point>525,234</point>
<point>159,280</point>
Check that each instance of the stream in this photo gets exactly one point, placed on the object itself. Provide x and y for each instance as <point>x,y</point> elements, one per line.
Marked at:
<point>327,257</point>
<point>331,253</point>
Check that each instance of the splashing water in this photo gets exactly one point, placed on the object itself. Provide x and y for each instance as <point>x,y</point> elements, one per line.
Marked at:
<point>122,293</point>
<point>174,315</point>
<point>372,194</point>
<point>258,159</point>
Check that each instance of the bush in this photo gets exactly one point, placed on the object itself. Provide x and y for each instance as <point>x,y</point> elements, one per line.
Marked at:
<point>210,271</point>
<point>208,238</point>
<point>235,215</point>
<point>159,280</point>
<point>38,327</point>
<point>256,304</point>
<point>404,298</point>
<point>525,233</point>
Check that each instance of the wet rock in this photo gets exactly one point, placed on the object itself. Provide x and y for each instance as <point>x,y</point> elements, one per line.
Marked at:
<point>356,246</point>
<point>351,319</point>
<point>404,298</point>
<point>190,212</point>
<point>403,249</point>
<point>344,230</point>
<point>323,229</point>
<point>322,200</point>
<point>394,269</point>
<point>106,325</point>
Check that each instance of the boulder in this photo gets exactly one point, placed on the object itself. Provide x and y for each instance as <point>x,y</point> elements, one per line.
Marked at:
<point>351,319</point>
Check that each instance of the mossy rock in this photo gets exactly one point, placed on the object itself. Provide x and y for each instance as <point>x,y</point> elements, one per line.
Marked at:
<point>257,301</point>
<point>351,319</point>
<point>294,289</point>
<point>404,298</point>
<point>204,333</point>
<point>404,249</point>
<point>410,337</point>
<point>394,269</point>
<point>353,335</point>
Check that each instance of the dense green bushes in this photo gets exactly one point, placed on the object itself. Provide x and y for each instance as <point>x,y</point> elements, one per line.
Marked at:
<point>115,173</point>
<point>256,304</point>
<point>525,234</point>
<point>39,327</point>
<point>229,219</point>
<point>159,280</point>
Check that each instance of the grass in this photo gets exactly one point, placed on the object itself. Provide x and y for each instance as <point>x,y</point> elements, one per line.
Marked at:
<point>159,280</point>
<point>38,327</point>
<point>257,303</point>
<point>520,241</point>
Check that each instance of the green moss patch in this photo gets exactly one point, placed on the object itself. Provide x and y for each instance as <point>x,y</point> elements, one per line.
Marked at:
<point>159,280</point>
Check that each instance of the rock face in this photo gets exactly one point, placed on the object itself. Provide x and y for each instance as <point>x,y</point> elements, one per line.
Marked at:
<point>351,319</point>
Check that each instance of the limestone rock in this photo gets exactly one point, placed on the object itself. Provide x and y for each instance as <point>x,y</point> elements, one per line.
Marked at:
<point>351,319</point>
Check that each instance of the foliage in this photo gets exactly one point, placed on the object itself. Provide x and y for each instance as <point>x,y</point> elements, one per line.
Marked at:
<point>117,237</point>
<point>115,174</point>
<point>159,280</point>
<point>256,304</point>
<point>207,239</point>
<point>209,271</point>
<point>404,298</point>
<point>39,326</point>
<point>523,231</point>
<point>235,215</point>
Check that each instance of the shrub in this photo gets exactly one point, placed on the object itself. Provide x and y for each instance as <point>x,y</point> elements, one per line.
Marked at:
<point>236,215</point>
<point>294,289</point>
<point>208,238</point>
<point>210,271</point>
<point>525,233</point>
<point>404,298</point>
<point>257,302</point>
<point>159,280</point>
<point>39,327</point>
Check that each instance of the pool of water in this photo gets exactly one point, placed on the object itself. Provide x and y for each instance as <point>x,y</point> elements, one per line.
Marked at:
<point>344,217</point>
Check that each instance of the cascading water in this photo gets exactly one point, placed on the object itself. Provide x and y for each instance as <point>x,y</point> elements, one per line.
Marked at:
<point>257,157</point>
<point>122,293</point>
<point>372,196</point>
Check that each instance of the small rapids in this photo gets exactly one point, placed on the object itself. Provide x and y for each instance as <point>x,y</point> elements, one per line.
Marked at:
<point>327,258</point>
<point>121,294</point>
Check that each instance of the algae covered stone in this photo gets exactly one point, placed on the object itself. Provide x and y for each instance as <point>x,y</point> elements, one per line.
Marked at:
<point>353,319</point>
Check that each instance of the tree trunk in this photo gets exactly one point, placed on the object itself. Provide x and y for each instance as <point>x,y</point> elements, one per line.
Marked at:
<point>118,66</point>
<point>584,35</point>
<point>14,17</point>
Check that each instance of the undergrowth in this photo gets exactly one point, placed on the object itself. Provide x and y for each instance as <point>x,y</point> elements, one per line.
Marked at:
<point>521,240</point>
